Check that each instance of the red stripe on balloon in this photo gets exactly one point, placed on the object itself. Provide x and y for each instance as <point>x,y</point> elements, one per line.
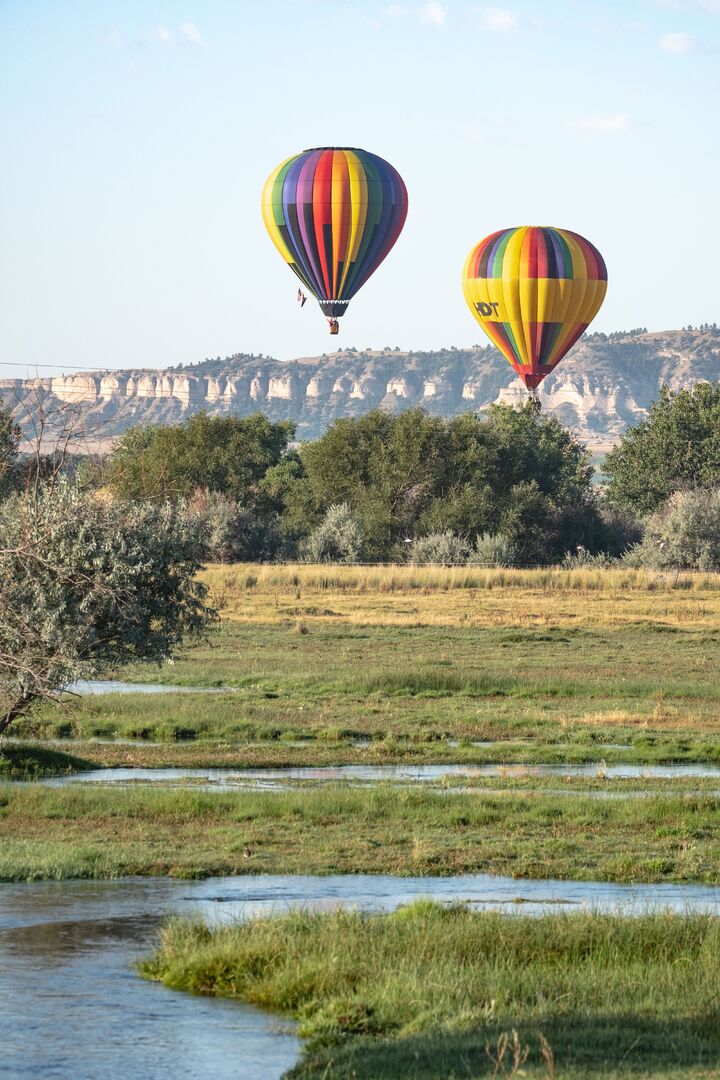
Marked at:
<point>322,214</point>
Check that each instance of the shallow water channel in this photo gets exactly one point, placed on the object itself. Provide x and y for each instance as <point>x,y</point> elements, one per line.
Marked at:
<point>224,778</point>
<point>75,1010</point>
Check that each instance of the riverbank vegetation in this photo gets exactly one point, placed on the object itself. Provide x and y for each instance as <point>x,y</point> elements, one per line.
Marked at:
<point>80,831</point>
<point>509,472</point>
<point>430,991</point>
<point>330,749</point>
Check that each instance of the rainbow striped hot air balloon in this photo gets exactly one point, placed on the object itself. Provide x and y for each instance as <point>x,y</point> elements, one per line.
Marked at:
<point>334,213</point>
<point>534,291</point>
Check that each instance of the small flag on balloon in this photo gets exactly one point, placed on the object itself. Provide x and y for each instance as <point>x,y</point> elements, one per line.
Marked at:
<point>301,298</point>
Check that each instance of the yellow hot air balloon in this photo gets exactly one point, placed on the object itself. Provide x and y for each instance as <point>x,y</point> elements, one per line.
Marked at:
<point>534,291</point>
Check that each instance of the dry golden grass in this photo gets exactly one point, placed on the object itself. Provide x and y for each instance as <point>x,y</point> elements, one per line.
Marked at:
<point>463,597</point>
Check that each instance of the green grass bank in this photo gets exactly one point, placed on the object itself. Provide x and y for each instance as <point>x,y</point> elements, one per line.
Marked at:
<point>558,664</point>
<point>430,993</point>
<point>30,761</point>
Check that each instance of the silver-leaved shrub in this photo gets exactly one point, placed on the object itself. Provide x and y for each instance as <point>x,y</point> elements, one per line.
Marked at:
<point>87,585</point>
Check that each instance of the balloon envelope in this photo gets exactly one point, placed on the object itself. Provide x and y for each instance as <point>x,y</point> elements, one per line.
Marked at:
<point>534,291</point>
<point>334,213</point>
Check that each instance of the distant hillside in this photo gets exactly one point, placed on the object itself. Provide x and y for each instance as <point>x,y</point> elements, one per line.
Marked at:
<point>604,385</point>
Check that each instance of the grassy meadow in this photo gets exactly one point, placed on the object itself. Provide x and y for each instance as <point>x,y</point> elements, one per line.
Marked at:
<point>386,665</point>
<point>353,665</point>
<point>92,831</point>
<point>548,665</point>
<point>430,992</point>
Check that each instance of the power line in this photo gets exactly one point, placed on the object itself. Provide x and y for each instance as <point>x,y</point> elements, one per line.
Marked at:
<point>110,371</point>
<point>61,367</point>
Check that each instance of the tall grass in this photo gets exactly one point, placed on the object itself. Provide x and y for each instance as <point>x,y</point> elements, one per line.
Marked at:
<point>247,577</point>
<point>428,991</point>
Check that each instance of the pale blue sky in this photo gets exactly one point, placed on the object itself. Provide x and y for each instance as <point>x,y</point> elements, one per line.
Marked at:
<point>137,137</point>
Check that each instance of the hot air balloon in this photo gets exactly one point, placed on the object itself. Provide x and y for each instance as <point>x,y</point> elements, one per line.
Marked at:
<point>334,213</point>
<point>534,291</point>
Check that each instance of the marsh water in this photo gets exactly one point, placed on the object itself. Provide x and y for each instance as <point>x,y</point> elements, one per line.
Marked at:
<point>74,1009</point>
<point>224,778</point>
<point>117,686</point>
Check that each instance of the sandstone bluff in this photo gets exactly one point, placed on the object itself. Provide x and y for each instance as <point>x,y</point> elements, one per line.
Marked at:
<point>604,385</point>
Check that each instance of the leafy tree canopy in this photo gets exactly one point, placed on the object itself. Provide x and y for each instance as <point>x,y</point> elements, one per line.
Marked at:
<point>227,454</point>
<point>508,471</point>
<point>683,534</point>
<point>9,441</point>
<point>676,447</point>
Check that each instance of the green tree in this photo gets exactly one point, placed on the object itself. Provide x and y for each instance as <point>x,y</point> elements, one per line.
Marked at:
<point>438,549</point>
<point>87,585</point>
<point>515,472</point>
<point>9,442</point>
<point>228,454</point>
<point>508,471</point>
<point>338,538</point>
<point>382,466</point>
<point>676,447</point>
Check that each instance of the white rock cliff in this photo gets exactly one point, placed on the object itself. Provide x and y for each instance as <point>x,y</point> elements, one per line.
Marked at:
<point>602,386</point>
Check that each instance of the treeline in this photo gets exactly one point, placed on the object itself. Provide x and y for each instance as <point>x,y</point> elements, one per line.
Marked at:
<point>639,331</point>
<point>372,488</point>
<point>508,486</point>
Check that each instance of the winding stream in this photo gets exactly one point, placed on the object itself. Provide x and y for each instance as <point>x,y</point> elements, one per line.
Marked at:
<point>75,1010</point>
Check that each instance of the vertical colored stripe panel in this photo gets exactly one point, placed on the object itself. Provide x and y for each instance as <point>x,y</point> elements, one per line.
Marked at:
<point>340,207</point>
<point>322,216</point>
<point>297,196</point>
<point>358,213</point>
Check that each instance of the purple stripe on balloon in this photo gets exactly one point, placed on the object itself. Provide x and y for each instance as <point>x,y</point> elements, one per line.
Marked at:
<point>306,179</point>
<point>492,252</point>
<point>559,255</point>
<point>293,212</point>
